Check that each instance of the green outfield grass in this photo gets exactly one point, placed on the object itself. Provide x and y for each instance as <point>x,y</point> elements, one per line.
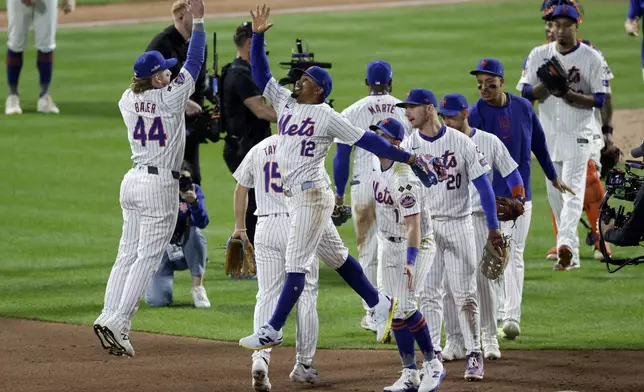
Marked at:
<point>60,174</point>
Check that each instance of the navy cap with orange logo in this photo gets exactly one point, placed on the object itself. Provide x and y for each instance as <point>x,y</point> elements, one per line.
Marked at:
<point>419,96</point>
<point>391,127</point>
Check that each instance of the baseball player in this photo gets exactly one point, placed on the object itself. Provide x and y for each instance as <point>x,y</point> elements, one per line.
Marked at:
<point>43,14</point>
<point>454,111</point>
<point>370,110</point>
<point>153,111</point>
<point>259,170</point>
<point>306,128</point>
<point>406,250</point>
<point>631,26</point>
<point>452,219</point>
<point>602,140</point>
<point>513,120</point>
<point>568,120</point>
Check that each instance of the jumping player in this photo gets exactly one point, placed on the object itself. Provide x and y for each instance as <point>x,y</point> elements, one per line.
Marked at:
<point>259,170</point>
<point>513,120</point>
<point>153,110</point>
<point>307,127</point>
<point>406,250</point>
<point>452,220</point>
<point>569,122</point>
<point>453,110</point>
<point>43,14</point>
<point>370,110</point>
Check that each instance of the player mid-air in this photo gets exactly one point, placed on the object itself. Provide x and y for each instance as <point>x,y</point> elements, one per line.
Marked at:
<point>306,129</point>
<point>153,109</point>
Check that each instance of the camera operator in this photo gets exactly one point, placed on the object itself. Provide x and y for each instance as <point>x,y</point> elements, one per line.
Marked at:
<point>187,249</point>
<point>246,116</point>
<point>632,232</point>
<point>173,43</point>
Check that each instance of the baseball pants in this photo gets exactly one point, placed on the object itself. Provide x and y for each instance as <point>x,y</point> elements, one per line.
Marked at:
<point>44,16</point>
<point>150,205</point>
<point>194,251</point>
<point>271,237</point>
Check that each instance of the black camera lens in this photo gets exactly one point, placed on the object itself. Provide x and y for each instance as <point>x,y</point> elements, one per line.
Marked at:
<point>185,183</point>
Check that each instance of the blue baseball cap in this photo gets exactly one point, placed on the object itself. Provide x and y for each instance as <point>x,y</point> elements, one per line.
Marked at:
<point>489,66</point>
<point>379,72</point>
<point>452,104</point>
<point>565,11</point>
<point>391,127</point>
<point>320,76</point>
<point>150,63</point>
<point>419,96</point>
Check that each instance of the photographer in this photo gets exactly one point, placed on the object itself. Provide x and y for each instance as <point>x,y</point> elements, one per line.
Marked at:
<point>173,43</point>
<point>246,116</point>
<point>632,231</point>
<point>187,248</point>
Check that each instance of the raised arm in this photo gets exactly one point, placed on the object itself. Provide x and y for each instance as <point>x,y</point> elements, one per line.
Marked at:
<point>197,46</point>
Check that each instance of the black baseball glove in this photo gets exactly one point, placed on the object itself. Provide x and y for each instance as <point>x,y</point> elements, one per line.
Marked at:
<point>554,77</point>
<point>341,214</point>
<point>610,156</point>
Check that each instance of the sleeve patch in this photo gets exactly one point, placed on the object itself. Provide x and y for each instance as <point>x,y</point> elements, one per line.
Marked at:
<point>407,200</point>
<point>483,162</point>
<point>605,83</point>
<point>180,79</point>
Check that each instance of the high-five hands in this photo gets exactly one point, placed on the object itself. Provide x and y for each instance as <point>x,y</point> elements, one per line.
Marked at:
<point>260,19</point>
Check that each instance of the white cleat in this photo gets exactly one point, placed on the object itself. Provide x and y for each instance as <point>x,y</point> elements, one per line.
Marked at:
<point>265,337</point>
<point>302,373</point>
<point>511,329</point>
<point>367,323</point>
<point>491,352</point>
<point>200,297</point>
<point>260,376</point>
<point>47,105</point>
<point>408,382</point>
<point>114,341</point>
<point>12,105</point>
<point>382,315</point>
<point>433,375</point>
<point>453,352</point>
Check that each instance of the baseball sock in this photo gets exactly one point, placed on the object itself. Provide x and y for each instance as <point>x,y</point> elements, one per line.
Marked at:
<point>352,273</point>
<point>405,342</point>
<point>288,298</point>
<point>14,65</point>
<point>45,65</point>
<point>418,326</point>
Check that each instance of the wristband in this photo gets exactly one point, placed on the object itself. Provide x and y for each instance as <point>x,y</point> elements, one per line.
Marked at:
<point>607,130</point>
<point>411,255</point>
<point>197,20</point>
<point>240,229</point>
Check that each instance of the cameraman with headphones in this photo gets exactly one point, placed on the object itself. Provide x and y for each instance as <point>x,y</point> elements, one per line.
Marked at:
<point>632,232</point>
<point>246,116</point>
<point>187,249</point>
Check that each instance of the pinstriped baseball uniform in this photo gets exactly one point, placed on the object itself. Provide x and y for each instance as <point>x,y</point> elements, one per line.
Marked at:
<point>569,132</point>
<point>500,159</point>
<point>398,194</point>
<point>451,211</point>
<point>598,135</point>
<point>305,136</point>
<point>156,132</point>
<point>259,170</point>
<point>363,113</point>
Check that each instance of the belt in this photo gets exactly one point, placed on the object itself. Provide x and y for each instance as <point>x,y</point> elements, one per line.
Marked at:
<point>155,170</point>
<point>304,187</point>
<point>273,215</point>
<point>396,239</point>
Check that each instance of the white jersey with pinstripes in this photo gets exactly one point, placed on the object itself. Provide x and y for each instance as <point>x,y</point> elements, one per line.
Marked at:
<point>464,163</point>
<point>569,129</point>
<point>398,194</point>
<point>598,135</point>
<point>259,170</point>
<point>156,124</point>
<point>497,155</point>
<point>306,133</point>
<point>368,111</point>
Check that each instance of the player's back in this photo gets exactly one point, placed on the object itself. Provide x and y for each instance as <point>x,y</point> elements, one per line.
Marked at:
<point>368,111</point>
<point>267,177</point>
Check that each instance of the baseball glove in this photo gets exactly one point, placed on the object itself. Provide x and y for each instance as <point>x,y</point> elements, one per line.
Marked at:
<point>554,77</point>
<point>610,156</point>
<point>495,259</point>
<point>341,214</point>
<point>240,258</point>
<point>508,209</point>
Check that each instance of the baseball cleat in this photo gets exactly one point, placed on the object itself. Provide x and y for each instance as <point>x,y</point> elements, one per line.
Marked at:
<point>511,329</point>
<point>439,355</point>
<point>491,352</point>
<point>453,352</point>
<point>552,254</point>
<point>12,105</point>
<point>367,323</point>
<point>303,373</point>
<point>47,105</point>
<point>409,381</point>
<point>265,337</point>
<point>474,367</point>
<point>118,341</point>
<point>200,297</point>
<point>433,374</point>
<point>260,375</point>
<point>383,314</point>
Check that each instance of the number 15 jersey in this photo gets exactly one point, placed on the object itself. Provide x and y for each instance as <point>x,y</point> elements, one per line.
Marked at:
<point>464,163</point>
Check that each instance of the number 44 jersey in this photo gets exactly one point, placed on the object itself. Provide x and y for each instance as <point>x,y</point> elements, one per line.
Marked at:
<point>464,163</point>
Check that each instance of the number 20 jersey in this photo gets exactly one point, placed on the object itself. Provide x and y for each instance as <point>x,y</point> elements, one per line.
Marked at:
<point>464,163</point>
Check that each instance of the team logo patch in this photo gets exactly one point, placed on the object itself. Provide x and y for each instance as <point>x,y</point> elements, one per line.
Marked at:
<point>483,162</point>
<point>605,83</point>
<point>408,200</point>
<point>183,207</point>
<point>180,79</point>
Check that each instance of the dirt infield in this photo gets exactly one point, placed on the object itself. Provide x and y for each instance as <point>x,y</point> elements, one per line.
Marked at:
<point>40,356</point>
